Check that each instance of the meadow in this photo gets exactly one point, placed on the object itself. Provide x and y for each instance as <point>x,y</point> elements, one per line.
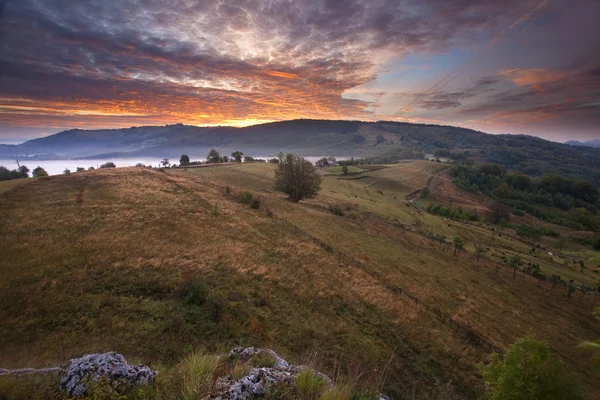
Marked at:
<point>158,264</point>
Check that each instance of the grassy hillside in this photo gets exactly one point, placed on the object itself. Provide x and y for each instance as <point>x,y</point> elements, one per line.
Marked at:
<point>154,264</point>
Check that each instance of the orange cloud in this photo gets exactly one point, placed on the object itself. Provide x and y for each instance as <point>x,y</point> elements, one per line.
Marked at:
<point>280,74</point>
<point>534,77</point>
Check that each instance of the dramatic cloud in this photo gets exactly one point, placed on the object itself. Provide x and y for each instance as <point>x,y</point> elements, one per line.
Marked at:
<point>112,63</point>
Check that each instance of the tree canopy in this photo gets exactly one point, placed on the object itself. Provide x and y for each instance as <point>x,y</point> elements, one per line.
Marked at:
<point>39,172</point>
<point>297,178</point>
<point>528,371</point>
<point>213,157</point>
<point>237,156</point>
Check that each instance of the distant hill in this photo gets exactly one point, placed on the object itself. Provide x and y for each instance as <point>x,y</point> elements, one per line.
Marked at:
<point>383,141</point>
<point>589,143</point>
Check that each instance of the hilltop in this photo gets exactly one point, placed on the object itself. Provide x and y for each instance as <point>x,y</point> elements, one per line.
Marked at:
<point>355,283</point>
<point>384,141</point>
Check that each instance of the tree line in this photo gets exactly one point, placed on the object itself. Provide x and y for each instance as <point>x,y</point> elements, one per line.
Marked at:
<point>578,197</point>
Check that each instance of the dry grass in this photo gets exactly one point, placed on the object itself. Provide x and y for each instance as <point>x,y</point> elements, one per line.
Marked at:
<point>484,295</point>
<point>152,264</point>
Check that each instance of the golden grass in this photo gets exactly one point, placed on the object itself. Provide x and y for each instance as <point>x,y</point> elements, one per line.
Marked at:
<point>484,295</point>
<point>105,261</point>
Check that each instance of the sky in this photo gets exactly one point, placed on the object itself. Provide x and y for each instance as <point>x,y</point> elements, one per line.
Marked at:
<point>499,66</point>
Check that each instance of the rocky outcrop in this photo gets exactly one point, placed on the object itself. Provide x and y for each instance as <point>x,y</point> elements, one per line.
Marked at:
<point>112,367</point>
<point>255,383</point>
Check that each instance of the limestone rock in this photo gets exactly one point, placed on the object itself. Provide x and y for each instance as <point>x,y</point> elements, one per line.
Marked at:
<point>113,367</point>
<point>252,385</point>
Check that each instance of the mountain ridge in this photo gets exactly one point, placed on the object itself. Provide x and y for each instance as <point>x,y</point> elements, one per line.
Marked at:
<point>382,141</point>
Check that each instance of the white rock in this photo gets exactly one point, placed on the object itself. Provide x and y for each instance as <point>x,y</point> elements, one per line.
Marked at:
<point>111,366</point>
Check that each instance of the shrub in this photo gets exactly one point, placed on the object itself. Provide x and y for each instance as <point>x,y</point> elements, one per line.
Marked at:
<point>195,292</point>
<point>39,172</point>
<point>529,371</point>
<point>336,209</point>
<point>227,190</point>
<point>246,197</point>
<point>109,164</point>
<point>255,204</point>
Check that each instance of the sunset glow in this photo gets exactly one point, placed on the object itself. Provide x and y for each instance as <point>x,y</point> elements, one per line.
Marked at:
<point>515,66</point>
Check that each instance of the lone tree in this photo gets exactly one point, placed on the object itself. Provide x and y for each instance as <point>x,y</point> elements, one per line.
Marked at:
<point>480,249</point>
<point>184,160</point>
<point>297,178</point>
<point>458,244</point>
<point>515,263</point>
<point>213,157</point>
<point>345,169</point>
<point>237,156</point>
<point>39,172</point>
<point>529,371</point>
<point>165,162</point>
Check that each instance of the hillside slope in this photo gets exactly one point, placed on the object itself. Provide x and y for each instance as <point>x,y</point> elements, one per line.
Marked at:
<point>152,264</point>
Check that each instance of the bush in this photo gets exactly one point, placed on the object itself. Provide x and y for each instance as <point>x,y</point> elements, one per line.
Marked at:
<point>39,172</point>
<point>195,292</point>
<point>109,164</point>
<point>255,204</point>
<point>529,371</point>
<point>246,197</point>
<point>336,209</point>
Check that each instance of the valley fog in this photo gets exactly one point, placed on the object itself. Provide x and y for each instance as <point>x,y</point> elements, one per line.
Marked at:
<point>57,167</point>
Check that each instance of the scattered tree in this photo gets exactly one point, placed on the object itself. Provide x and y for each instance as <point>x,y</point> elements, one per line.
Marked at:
<point>91,168</point>
<point>39,172</point>
<point>67,171</point>
<point>345,169</point>
<point>225,159</point>
<point>480,249</point>
<point>515,263</point>
<point>424,193</point>
<point>248,159</point>
<point>458,244</point>
<point>237,156</point>
<point>165,162</point>
<point>24,171</point>
<point>184,159</point>
<point>528,371</point>
<point>108,164</point>
<point>297,178</point>
<point>213,157</point>
<point>570,288</point>
<point>80,169</point>
<point>555,279</point>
